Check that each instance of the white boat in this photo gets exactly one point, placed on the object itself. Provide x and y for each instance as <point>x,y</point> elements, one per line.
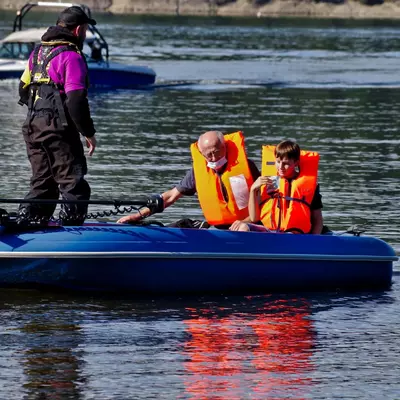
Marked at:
<point>17,46</point>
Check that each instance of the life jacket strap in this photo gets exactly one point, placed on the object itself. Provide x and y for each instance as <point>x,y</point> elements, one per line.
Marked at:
<point>279,197</point>
<point>60,107</point>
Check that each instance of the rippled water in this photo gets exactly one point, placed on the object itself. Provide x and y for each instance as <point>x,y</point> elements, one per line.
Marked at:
<point>334,87</point>
<point>259,347</point>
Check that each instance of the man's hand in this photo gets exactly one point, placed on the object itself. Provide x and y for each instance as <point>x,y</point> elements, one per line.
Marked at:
<point>129,219</point>
<point>91,144</point>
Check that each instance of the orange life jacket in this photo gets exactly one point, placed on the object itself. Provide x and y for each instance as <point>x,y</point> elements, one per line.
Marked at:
<point>289,209</point>
<point>235,178</point>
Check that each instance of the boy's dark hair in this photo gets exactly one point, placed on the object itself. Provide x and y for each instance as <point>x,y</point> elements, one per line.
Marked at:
<point>288,149</point>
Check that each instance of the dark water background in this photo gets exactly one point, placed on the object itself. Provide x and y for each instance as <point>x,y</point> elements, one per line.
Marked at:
<point>331,85</point>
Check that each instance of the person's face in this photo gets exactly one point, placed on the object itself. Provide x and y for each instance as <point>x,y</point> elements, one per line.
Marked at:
<point>286,167</point>
<point>80,32</point>
<point>214,152</point>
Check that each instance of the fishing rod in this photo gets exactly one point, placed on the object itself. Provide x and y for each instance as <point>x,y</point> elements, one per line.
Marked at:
<point>154,202</point>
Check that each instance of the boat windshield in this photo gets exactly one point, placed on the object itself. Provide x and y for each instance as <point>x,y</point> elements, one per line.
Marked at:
<point>22,51</point>
<point>19,51</point>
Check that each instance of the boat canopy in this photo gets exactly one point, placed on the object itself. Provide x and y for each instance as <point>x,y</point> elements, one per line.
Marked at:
<point>20,43</point>
<point>34,35</point>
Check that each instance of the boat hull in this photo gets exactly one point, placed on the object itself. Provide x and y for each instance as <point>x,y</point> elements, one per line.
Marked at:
<point>156,260</point>
<point>120,76</point>
<point>104,75</point>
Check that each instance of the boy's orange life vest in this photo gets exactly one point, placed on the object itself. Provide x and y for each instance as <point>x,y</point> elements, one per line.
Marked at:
<point>289,209</point>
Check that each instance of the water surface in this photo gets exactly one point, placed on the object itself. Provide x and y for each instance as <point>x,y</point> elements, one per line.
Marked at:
<point>331,85</point>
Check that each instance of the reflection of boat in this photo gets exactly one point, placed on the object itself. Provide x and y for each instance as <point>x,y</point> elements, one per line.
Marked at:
<point>16,48</point>
<point>52,363</point>
<point>271,345</point>
<point>154,260</point>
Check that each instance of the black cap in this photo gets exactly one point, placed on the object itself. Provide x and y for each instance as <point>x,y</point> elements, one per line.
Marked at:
<point>74,16</point>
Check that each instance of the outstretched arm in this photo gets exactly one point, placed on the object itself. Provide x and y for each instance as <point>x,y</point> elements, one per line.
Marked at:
<point>169,197</point>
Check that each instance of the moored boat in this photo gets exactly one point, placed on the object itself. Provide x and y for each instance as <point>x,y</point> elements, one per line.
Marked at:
<point>159,260</point>
<point>16,47</point>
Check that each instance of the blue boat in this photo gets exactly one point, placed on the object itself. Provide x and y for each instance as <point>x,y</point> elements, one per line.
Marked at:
<point>154,260</point>
<point>18,45</point>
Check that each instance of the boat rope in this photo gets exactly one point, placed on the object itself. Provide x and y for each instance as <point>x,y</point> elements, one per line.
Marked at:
<point>9,219</point>
<point>355,230</point>
<point>67,216</point>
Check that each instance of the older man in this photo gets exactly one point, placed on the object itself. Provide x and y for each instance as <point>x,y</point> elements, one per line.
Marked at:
<point>221,176</point>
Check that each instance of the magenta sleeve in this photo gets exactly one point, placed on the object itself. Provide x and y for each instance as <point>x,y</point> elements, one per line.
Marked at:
<point>69,70</point>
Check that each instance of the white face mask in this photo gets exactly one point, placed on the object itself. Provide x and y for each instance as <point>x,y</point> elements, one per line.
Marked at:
<point>217,164</point>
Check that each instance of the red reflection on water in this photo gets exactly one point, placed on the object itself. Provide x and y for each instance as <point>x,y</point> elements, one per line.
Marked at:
<point>262,353</point>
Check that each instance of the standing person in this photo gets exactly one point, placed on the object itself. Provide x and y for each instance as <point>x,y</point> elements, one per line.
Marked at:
<point>221,176</point>
<point>54,87</point>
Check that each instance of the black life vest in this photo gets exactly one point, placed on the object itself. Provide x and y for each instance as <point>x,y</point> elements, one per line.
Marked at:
<point>46,98</point>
